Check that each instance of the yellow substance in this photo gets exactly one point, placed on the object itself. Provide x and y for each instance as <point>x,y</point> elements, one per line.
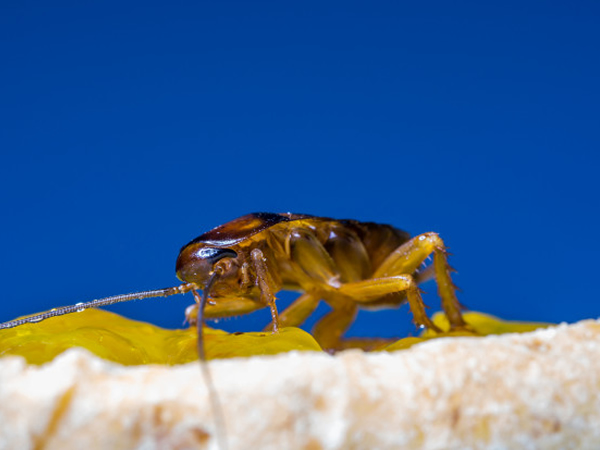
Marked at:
<point>130,342</point>
<point>480,323</point>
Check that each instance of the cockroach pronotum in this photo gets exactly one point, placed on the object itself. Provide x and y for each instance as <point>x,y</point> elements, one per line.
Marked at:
<point>241,265</point>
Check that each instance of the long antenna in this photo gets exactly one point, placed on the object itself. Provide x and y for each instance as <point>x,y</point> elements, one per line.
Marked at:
<point>166,292</point>
<point>219,417</point>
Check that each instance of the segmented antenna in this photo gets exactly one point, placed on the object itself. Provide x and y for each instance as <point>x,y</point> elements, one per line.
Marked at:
<point>166,292</point>
<point>219,417</point>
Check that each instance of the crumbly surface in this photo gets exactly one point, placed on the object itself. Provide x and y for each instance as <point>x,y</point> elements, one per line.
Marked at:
<point>532,390</point>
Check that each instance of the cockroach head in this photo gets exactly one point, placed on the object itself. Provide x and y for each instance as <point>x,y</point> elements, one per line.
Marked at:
<point>197,261</point>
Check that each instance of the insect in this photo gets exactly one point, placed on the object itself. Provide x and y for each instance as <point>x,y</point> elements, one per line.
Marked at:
<point>241,265</point>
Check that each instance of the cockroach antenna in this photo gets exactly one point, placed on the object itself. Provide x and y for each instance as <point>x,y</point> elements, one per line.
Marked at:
<point>166,292</point>
<point>219,417</point>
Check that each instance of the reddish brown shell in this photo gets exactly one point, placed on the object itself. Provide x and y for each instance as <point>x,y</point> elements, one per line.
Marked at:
<point>245,227</point>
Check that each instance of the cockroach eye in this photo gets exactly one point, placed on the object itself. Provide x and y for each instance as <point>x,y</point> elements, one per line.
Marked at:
<point>196,262</point>
<point>213,255</point>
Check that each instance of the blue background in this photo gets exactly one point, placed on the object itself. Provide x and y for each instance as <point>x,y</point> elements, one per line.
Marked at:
<point>127,129</point>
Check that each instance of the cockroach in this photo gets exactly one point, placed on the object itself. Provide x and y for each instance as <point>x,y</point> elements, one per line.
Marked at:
<point>346,263</point>
<point>351,265</point>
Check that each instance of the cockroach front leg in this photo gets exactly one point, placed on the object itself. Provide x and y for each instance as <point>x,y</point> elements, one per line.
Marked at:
<point>266,284</point>
<point>297,313</point>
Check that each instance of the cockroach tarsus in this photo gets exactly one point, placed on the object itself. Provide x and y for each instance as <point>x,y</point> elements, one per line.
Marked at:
<point>350,265</point>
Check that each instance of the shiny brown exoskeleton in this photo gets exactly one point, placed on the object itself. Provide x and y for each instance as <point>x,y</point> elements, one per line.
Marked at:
<point>346,263</point>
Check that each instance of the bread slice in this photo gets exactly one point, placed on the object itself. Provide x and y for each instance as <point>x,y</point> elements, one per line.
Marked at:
<point>533,390</point>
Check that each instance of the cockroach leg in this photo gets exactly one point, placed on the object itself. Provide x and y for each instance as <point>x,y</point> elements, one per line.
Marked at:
<point>297,313</point>
<point>328,331</point>
<point>266,285</point>
<point>409,256</point>
<point>366,291</point>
